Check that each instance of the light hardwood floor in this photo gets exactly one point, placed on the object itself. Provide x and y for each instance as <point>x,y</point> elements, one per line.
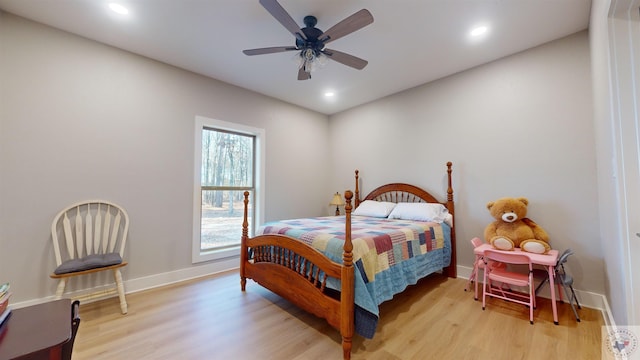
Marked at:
<point>210,318</point>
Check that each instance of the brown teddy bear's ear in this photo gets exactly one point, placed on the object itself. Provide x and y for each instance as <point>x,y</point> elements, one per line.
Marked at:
<point>490,205</point>
<point>524,200</point>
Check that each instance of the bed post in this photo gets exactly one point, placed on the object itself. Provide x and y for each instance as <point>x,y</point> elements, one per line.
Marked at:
<point>357,197</point>
<point>243,243</point>
<point>347,292</point>
<point>451,270</point>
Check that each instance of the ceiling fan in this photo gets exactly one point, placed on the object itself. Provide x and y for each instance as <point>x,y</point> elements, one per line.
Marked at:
<point>311,41</point>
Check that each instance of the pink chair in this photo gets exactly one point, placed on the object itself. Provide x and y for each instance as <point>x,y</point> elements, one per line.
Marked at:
<point>502,276</point>
<point>479,264</point>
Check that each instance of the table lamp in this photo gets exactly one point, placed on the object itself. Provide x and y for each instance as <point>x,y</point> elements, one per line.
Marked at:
<point>337,201</point>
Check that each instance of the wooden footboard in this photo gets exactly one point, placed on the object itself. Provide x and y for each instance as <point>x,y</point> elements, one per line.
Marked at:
<point>299,273</point>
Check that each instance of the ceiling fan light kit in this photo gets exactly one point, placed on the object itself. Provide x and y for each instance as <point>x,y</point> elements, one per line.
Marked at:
<point>310,60</point>
<point>311,41</point>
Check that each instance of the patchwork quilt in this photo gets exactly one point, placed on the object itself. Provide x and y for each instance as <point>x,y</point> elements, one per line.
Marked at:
<point>388,255</point>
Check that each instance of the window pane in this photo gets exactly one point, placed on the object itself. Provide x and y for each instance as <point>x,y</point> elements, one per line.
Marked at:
<point>222,215</point>
<point>227,159</point>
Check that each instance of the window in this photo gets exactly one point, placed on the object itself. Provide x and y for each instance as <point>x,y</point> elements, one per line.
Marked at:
<point>227,163</point>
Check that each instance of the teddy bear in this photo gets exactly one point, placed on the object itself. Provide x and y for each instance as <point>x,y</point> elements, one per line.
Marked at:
<point>513,229</point>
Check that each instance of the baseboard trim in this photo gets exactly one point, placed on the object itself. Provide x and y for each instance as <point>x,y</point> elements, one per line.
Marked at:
<point>168,278</point>
<point>586,298</point>
<point>149,282</point>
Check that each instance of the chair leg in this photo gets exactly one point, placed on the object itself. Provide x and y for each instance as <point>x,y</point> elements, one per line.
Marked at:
<point>571,298</point>
<point>123,301</point>
<point>486,283</point>
<point>471,279</point>
<point>476,283</point>
<point>61,285</point>
<point>533,294</point>
<point>574,296</point>
<point>539,287</point>
<point>559,286</point>
<point>532,301</point>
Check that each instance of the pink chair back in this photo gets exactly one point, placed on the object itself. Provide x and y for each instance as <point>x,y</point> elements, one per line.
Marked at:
<point>507,257</point>
<point>476,241</point>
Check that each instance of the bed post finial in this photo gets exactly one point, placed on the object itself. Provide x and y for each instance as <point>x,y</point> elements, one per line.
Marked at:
<point>243,243</point>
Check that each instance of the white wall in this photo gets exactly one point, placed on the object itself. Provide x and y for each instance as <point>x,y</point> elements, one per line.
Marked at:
<point>80,120</point>
<point>519,126</point>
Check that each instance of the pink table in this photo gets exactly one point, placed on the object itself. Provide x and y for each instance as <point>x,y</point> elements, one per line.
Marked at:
<point>548,260</point>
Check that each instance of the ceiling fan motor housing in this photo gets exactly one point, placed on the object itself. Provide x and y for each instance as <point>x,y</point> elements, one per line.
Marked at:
<point>312,34</point>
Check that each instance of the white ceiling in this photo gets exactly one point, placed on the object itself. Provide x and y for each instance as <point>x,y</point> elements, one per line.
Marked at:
<point>411,42</point>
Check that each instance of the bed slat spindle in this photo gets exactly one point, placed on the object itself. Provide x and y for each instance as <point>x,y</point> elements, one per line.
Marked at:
<point>315,276</point>
<point>305,265</point>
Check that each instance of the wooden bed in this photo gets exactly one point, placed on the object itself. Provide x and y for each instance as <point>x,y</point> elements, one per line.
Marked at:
<point>299,272</point>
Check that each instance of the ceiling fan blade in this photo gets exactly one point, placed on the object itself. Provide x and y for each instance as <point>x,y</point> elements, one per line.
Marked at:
<point>303,75</point>
<point>351,24</point>
<point>277,11</point>
<point>268,50</point>
<point>346,59</point>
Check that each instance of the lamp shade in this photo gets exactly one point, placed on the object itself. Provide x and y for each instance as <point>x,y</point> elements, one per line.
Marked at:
<point>337,200</point>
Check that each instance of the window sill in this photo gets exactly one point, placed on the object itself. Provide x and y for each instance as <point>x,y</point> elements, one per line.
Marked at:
<point>209,255</point>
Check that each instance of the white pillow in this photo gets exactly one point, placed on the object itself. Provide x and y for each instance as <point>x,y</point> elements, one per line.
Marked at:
<point>374,208</point>
<point>448,219</point>
<point>420,212</point>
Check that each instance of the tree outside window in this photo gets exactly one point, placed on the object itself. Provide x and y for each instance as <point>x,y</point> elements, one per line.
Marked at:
<point>227,172</point>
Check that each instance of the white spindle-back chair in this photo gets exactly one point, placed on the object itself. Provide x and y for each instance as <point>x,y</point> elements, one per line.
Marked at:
<point>89,237</point>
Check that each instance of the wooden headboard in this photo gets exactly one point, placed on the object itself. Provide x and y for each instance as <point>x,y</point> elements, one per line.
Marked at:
<point>399,192</point>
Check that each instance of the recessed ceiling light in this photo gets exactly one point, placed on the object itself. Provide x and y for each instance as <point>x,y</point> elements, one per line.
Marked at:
<point>480,30</point>
<point>329,94</point>
<point>118,8</point>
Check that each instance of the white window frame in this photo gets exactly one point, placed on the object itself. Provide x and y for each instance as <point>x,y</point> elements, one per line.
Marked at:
<point>201,123</point>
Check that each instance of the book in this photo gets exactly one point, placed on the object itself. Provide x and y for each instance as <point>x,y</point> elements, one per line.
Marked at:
<point>4,288</point>
<point>5,315</point>
<point>4,296</point>
<point>4,302</point>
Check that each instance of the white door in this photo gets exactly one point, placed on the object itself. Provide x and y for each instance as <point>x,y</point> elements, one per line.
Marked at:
<point>634,238</point>
<point>626,107</point>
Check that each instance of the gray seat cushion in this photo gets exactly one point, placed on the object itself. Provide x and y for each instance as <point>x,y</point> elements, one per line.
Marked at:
<point>88,262</point>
